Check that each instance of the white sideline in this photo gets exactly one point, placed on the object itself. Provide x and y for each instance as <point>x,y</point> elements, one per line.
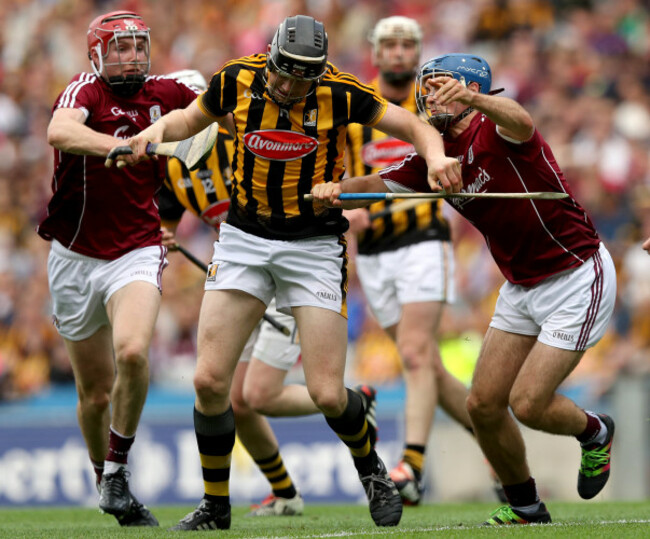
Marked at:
<point>400,531</point>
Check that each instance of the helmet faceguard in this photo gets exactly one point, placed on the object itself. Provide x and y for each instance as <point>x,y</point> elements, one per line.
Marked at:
<point>465,68</point>
<point>298,52</point>
<point>111,27</point>
<point>396,27</point>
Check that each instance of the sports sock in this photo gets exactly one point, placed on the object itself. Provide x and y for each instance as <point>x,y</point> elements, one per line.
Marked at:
<point>98,467</point>
<point>595,432</point>
<point>414,456</point>
<point>523,496</point>
<point>118,451</point>
<point>277,475</point>
<point>352,428</point>
<point>215,436</point>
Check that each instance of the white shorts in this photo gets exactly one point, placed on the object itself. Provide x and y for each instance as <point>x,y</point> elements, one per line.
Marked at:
<point>307,272</point>
<point>81,286</point>
<point>272,346</point>
<point>412,274</point>
<point>570,310</point>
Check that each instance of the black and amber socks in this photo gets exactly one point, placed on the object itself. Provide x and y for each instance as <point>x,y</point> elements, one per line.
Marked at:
<point>352,428</point>
<point>215,436</point>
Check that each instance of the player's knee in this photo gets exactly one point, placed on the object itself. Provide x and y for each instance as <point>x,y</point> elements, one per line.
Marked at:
<point>329,400</point>
<point>526,410</point>
<point>209,387</point>
<point>256,397</point>
<point>481,410</point>
<point>131,356</point>
<point>239,405</point>
<point>414,354</point>
<point>95,401</point>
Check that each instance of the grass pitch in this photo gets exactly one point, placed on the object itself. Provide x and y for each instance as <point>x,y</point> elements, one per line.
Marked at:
<point>581,520</point>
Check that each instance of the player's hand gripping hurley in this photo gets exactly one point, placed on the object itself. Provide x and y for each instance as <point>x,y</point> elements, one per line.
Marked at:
<point>190,151</point>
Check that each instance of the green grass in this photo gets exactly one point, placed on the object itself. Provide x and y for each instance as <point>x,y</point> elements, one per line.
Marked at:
<point>572,520</point>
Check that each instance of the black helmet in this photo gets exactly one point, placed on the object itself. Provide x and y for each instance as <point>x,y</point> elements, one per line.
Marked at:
<point>299,49</point>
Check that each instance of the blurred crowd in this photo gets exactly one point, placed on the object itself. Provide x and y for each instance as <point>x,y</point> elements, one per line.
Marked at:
<point>582,68</point>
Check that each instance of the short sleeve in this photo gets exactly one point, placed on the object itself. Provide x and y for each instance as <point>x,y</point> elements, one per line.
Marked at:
<point>409,175</point>
<point>81,93</point>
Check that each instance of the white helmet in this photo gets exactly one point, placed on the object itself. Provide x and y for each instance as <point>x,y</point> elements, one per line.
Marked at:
<point>191,77</point>
<point>395,27</point>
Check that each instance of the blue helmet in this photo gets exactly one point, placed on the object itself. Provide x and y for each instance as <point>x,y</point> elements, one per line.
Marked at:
<point>463,67</point>
<point>466,68</point>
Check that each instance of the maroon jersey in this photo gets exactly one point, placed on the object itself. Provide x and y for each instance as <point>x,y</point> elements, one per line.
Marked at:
<point>105,213</point>
<point>530,240</point>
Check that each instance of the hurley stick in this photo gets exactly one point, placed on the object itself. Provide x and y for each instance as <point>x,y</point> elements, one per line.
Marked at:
<point>190,151</point>
<point>540,195</point>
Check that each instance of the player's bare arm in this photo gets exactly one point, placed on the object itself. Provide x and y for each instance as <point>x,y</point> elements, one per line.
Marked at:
<point>68,132</point>
<point>444,172</point>
<point>513,120</point>
<point>646,245</point>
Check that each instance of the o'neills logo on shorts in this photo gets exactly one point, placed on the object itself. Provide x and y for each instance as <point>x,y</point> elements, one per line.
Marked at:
<point>384,152</point>
<point>561,336</point>
<point>324,294</point>
<point>279,145</point>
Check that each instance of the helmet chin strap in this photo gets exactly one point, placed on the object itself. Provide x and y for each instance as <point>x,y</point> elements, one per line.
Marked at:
<point>291,102</point>
<point>126,86</point>
<point>461,116</point>
<point>444,121</point>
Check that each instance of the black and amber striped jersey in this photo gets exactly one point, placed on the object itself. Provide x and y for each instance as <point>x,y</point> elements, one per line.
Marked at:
<point>369,151</point>
<point>280,152</point>
<point>205,191</point>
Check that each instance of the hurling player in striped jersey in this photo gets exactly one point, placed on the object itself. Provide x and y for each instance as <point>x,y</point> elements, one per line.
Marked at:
<point>258,384</point>
<point>560,286</point>
<point>289,109</point>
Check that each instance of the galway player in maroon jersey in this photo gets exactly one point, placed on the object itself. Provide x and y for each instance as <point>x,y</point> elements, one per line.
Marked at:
<point>106,259</point>
<point>561,282</point>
